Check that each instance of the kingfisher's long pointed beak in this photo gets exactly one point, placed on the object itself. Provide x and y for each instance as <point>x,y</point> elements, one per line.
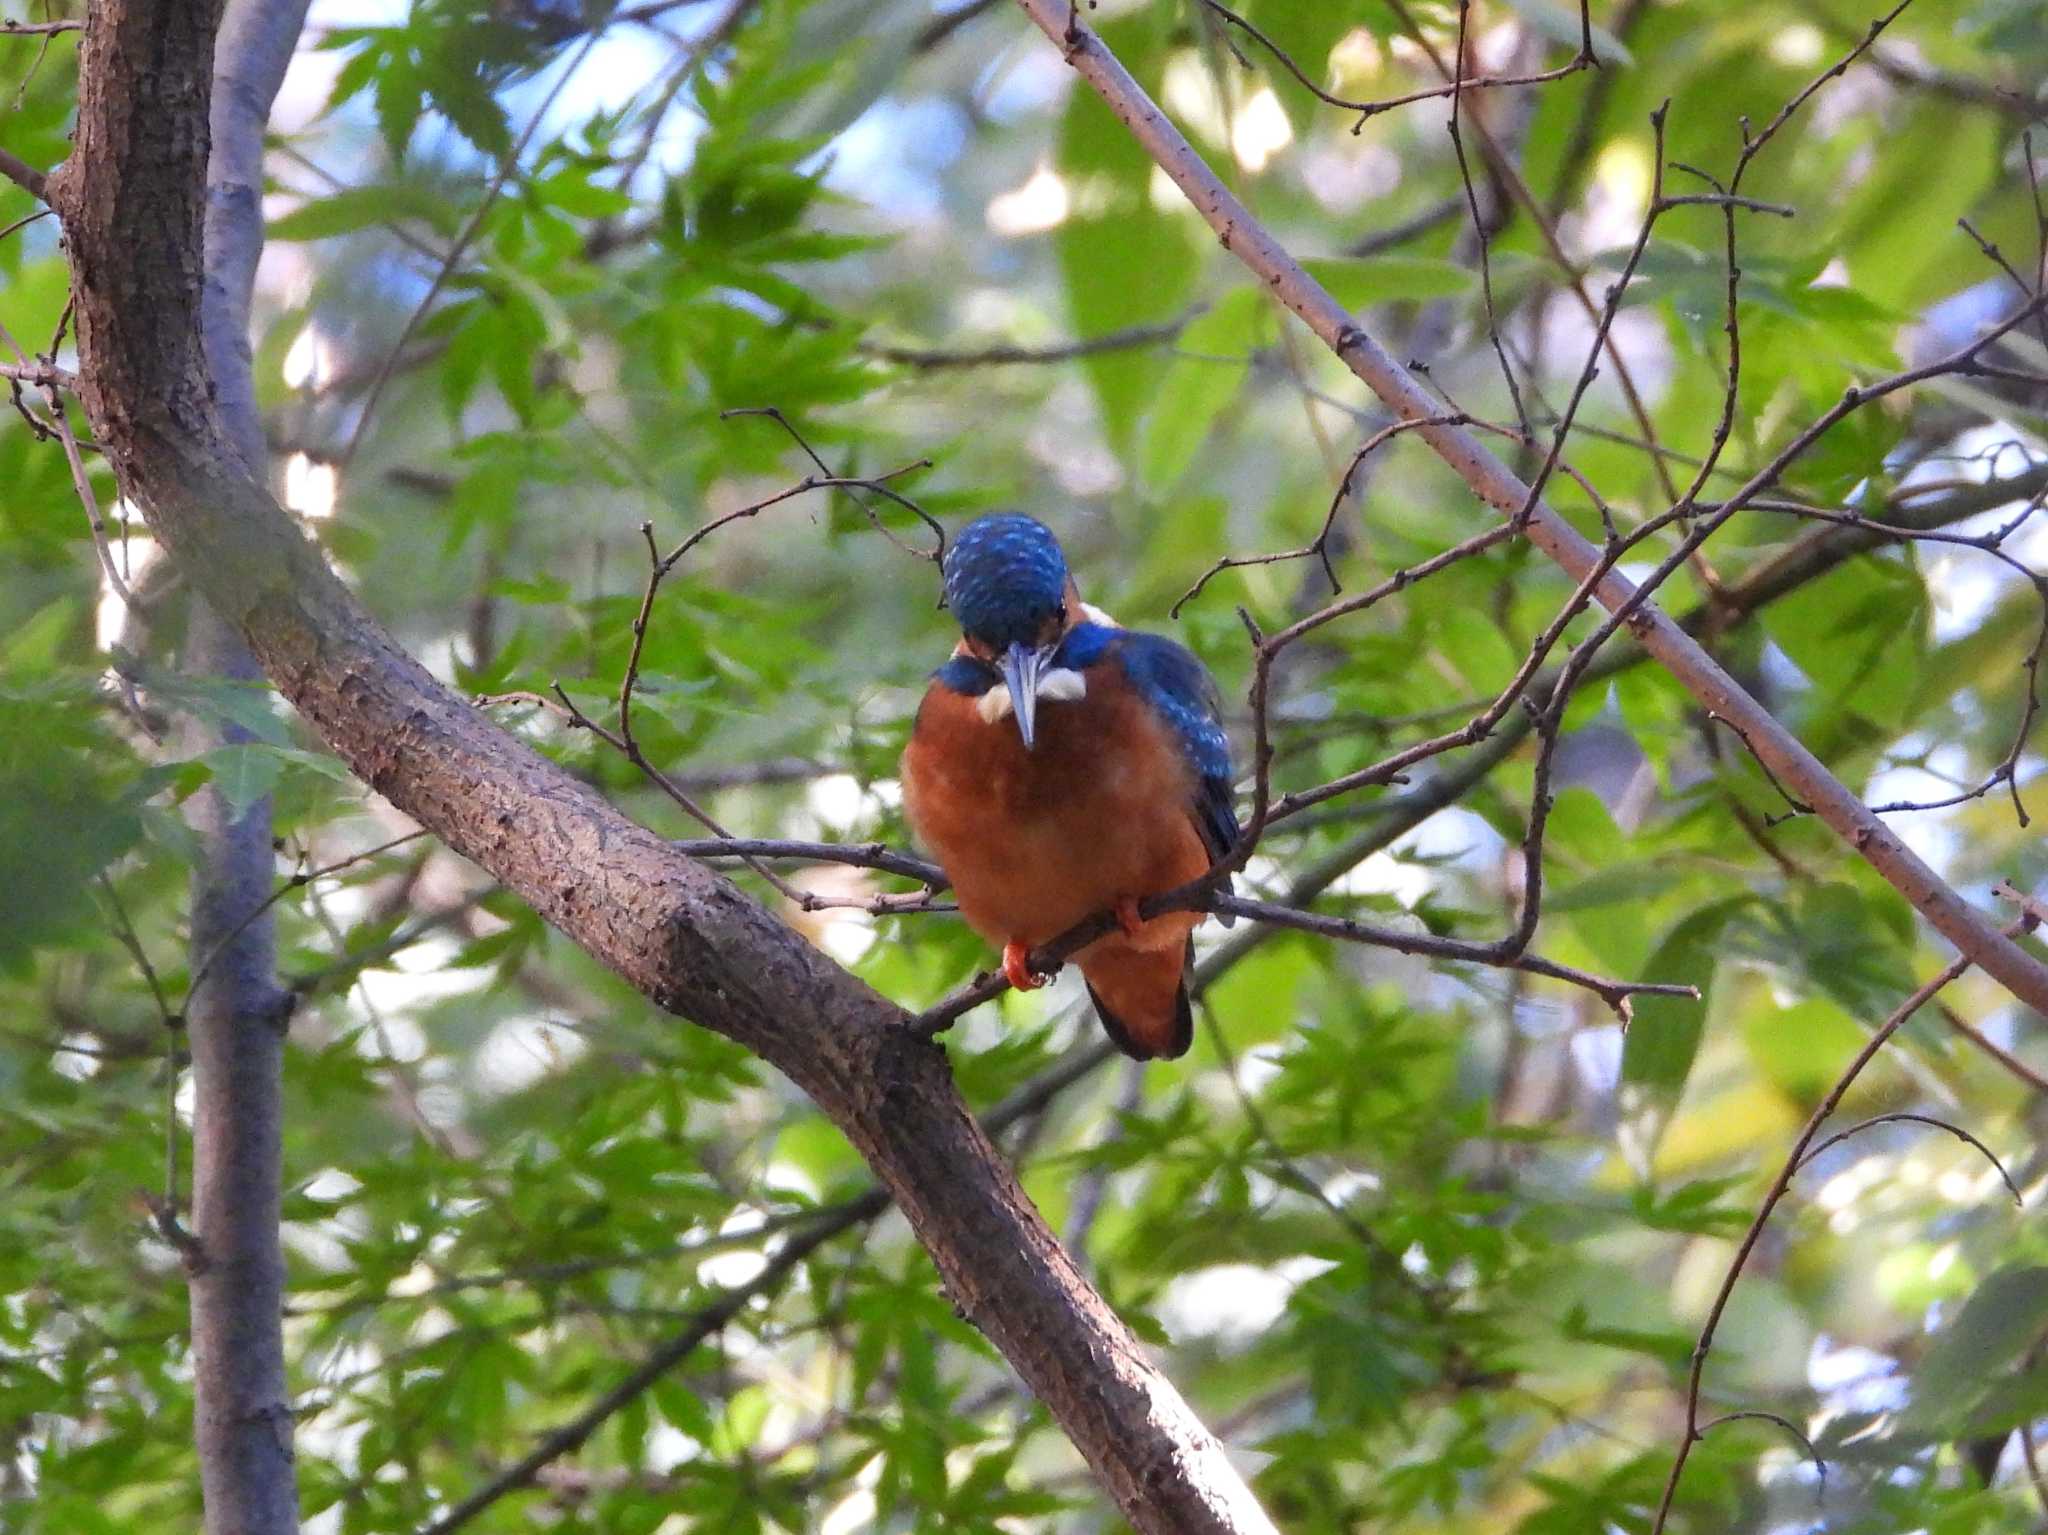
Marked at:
<point>1021,666</point>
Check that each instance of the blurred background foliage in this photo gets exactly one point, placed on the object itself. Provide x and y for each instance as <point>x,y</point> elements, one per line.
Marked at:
<point>1428,1247</point>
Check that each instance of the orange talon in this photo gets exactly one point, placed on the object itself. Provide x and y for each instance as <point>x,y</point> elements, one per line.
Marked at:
<point>1017,967</point>
<point>1127,916</point>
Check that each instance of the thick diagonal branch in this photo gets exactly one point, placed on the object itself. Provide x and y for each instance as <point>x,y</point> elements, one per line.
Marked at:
<point>1500,488</point>
<point>681,934</point>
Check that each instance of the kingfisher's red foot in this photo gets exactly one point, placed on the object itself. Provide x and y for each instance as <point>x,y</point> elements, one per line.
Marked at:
<point>1127,916</point>
<point>1017,967</point>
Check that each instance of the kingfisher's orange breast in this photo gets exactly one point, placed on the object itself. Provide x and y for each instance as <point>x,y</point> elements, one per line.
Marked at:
<point>1100,809</point>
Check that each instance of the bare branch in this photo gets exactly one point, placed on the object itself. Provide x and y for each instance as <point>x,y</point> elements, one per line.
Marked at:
<point>1482,231</point>
<point>465,237</point>
<point>2030,1455</point>
<point>1797,1158</point>
<point>81,482</point>
<point>1318,547</point>
<point>823,480</point>
<point>1200,896</point>
<point>1757,1414</point>
<point>1367,110</point>
<point>1502,167</point>
<point>25,220</point>
<point>1616,994</point>
<point>24,175</point>
<point>932,361</point>
<point>1495,484</point>
<point>941,27</point>
<point>41,374</point>
<point>1923,1119</point>
<point>2004,1057</point>
<point>1725,200</point>
<point>298,881</point>
<point>626,743</point>
<point>865,855</point>
<point>1419,224</point>
<point>1753,144</point>
<point>707,1323</point>
<point>2033,906</point>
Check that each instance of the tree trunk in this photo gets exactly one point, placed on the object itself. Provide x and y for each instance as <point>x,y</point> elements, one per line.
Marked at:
<point>681,934</point>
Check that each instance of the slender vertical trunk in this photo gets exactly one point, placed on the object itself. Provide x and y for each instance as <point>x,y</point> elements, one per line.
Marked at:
<point>237,1018</point>
<point>236,1025</point>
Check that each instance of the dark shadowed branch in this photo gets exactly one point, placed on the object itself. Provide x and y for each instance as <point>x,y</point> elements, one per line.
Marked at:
<point>672,927</point>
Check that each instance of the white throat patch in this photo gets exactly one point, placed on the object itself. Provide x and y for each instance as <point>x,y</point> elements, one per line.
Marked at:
<point>1060,685</point>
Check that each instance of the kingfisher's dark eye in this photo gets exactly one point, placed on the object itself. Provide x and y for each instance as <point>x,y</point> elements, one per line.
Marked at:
<point>1060,612</point>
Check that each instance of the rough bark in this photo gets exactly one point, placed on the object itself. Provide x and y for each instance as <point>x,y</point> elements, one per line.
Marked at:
<point>687,938</point>
<point>236,1019</point>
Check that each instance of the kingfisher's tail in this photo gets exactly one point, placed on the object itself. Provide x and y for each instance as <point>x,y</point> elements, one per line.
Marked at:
<point>1141,995</point>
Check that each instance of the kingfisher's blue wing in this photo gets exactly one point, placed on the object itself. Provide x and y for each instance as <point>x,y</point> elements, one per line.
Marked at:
<point>1176,685</point>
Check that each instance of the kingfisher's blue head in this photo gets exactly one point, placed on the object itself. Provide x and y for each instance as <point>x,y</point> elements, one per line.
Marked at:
<point>1006,580</point>
<point>1007,584</point>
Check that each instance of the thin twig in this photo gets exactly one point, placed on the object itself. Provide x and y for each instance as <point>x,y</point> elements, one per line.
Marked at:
<point>1048,958</point>
<point>865,855</point>
<point>1985,1043</point>
<point>714,36</point>
<point>1503,168</point>
<point>40,374</point>
<point>659,1361</point>
<point>1367,110</point>
<point>191,1253</point>
<point>1759,1415</point>
<point>1726,200</point>
<point>826,479</point>
<point>82,482</point>
<point>1937,1123</point>
<point>1483,232</point>
<point>25,176</point>
<point>1247,238</point>
<point>460,248</point>
<point>297,881</point>
<point>943,26</point>
<point>1753,144</point>
<point>2030,1457</point>
<point>930,360</point>
<point>124,932</point>
<point>1412,227</point>
<point>25,220</point>
<point>1794,1160</point>
<point>624,740</point>
<point>1318,547</point>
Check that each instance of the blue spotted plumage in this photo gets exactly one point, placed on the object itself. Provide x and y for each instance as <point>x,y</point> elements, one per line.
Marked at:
<point>1174,682</point>
<point>1005,576</point>
<point>1061,765</point>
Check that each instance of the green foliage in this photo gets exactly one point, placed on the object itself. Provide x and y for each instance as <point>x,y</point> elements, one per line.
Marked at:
<point>1431,1243</point>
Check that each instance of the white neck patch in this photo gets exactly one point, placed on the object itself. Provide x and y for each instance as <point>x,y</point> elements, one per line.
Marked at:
<point>1060,685</point>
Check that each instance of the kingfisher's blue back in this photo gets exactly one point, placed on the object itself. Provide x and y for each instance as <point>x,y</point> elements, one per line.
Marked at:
<point>1061,766</point>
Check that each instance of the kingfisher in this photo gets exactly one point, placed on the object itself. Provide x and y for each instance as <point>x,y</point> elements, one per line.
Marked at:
<point>1060,766</point>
